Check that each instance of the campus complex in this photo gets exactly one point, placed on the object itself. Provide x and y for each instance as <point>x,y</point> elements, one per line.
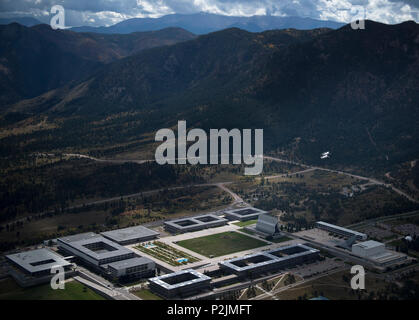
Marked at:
<point>198,256</point>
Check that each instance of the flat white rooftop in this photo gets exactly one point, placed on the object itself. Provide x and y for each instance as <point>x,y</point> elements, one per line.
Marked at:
<point>38,260</point>
<point>264,258</point>
<point>329,225</point>
<point>129,234</point>
<point>369,244</point>
<point>192,277</point>
<point>198,222</point>
<point>94,246</point>
<point>133,262</point>
<point>244,213</point>
<point>387,257</point>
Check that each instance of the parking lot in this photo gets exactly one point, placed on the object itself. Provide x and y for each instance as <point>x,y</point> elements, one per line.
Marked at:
<point>320,236</point>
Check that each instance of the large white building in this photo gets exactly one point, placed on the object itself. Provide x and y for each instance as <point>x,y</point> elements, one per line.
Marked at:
<point>94,249</point>
<point>267,224</point>
<point>271,260</point>
<point>38,262</point>
<point>107,257</point>
<point>377,253</point>
<point>194,223</point>
<point>179,284</point>
<point>243,214</point>
<point>368,248</point>
<point>138,267</point>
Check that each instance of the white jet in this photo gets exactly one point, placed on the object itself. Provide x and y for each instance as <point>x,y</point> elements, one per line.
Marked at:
<point>325,155</point>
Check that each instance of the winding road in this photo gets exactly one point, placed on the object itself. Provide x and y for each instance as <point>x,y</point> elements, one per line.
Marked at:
<point>370,180</point>
<point>308,167</point>
<point>222,185</point>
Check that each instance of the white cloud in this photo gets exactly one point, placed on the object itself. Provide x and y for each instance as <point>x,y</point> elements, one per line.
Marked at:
<point>379,10</point>
<point>106,12</point>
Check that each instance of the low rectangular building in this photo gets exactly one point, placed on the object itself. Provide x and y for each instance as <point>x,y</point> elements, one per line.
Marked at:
<point>244,214</point>
<point>179,284</point>
<point>377,253</point>
<point>340,230</point>
<point>94,249</point>
<point>134,268</point>
<point>131,235</point>
<point>38,262</point>
<point>194,223</point>
<point>272,260</point>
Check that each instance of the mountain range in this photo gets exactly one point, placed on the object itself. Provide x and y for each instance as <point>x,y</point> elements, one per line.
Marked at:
<point>24,21</point>
<point>352,92</point>
<point>37,59</point>
<point>203,23</point>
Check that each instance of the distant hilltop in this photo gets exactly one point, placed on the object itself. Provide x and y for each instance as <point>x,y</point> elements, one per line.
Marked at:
<point>24,21</point>
<point>203,23</point>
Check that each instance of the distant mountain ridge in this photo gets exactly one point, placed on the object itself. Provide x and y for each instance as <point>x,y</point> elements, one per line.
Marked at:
<point>37,59</point>
<point>24,21</point>
<point>351,92</point>
<point>203,23</point>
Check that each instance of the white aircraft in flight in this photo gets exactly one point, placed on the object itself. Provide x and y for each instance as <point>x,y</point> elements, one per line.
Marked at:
<point>325,155</point>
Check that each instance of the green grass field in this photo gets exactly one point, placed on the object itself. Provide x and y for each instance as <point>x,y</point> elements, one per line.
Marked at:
<point>10,290</point>
<point>282,239</point>
<point>245,223</point>
<point>146,295</point>
<point>247,231</point>
<point>221,244</point>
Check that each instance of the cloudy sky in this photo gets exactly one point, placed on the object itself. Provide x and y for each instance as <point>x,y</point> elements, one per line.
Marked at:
<point>108,12</point>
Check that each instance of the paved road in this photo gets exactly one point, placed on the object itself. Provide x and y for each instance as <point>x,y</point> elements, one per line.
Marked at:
<point>371,180</point>
<point>99,283</point>
<point>114,161</point>
<point>236,197</point>
<point>233,287</point>
<point>276,291</point>
<point>246,284</point>
<point>266,292</point>
<point>284,175</point>
<point>150,192</point>
<point>385,218</point>
<point>220,185</point>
